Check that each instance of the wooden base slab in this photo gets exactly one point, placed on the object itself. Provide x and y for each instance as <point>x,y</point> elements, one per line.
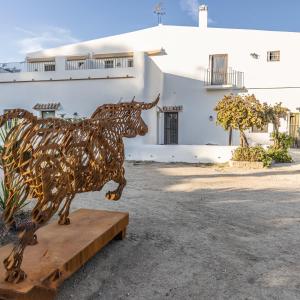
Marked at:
<point>61,251</point>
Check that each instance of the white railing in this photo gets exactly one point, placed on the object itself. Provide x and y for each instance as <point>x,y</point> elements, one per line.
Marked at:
<point>99,63</point>
<point>80,64</point>
<point>41,66</point>
<point>17,67</point>
<point>14,67</point>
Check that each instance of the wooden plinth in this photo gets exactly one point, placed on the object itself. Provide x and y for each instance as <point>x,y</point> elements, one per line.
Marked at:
<point>61,251</point>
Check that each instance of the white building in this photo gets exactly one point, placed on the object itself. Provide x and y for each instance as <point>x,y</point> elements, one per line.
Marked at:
<point>191,67</point>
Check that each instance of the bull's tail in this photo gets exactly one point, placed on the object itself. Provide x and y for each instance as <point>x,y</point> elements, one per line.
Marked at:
<point>17,114</point>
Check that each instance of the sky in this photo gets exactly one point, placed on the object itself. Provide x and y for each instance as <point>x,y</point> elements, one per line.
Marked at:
<point>31,25</point>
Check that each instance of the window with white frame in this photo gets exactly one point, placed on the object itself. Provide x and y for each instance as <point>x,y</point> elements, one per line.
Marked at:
<point>9,123</point>
<point>49,67</point>
<point>118,63</point>
<point>45,114</point>
<point>273,56</point>
<point>130,63</point>
<point>109,63</point>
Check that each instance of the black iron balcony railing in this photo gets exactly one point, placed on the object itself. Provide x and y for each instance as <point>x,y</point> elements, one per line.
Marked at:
<point>230,77</point>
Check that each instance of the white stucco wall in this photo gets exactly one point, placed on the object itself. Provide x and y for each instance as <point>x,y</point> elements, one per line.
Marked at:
<point>180,153</point>
<point>178,76</point>
<point>77,95</point>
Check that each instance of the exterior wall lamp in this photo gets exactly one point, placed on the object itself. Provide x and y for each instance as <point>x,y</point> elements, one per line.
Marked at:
<point>254,55</point>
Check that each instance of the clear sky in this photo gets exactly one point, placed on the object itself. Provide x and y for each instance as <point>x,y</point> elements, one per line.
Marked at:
<point>29,25</point>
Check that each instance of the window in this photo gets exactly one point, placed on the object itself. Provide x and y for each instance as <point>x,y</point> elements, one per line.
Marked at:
<point>218,69</point>
<point>130,63</point>
<point>273,56</point>
<point>48,114</point>
<point>258,130</point>
<point>294,126</point>
<point>10,123</point>
<point>48,68</point>
<point>171,128</point>
<point>118,63</point>
<point>108,64</point>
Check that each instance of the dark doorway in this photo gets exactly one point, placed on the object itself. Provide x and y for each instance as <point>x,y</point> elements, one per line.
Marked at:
<point>171,128</point>
<point>294,128</point>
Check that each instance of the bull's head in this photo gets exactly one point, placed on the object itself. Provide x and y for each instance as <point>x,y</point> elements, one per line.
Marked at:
<point>134,123</point>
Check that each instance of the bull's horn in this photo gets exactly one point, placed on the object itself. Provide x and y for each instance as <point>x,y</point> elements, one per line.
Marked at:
<point>133,99</point>
<point>152,104</point>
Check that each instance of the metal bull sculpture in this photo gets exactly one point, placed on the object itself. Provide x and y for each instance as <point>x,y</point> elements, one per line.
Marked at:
<point>53,159</point>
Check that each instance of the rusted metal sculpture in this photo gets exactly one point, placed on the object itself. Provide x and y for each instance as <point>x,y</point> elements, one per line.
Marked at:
<point>53,159</point>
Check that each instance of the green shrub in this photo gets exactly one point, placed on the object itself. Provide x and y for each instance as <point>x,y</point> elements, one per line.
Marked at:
<point>279,151</point>
<point>282,140</point>
<point>257,154</point>
<point>280,155</point>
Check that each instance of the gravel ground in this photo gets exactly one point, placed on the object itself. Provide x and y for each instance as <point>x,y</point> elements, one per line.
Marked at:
<point>198,232</point>
<point>11,236</point>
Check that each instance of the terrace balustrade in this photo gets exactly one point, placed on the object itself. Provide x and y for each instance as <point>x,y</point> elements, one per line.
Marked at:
<point>224,78</point>
<point>78,64</point>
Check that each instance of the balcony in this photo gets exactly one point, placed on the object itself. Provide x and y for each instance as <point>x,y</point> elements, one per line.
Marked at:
<point>88,67</point>
<point>18,67</point>
<point>99,63</point>
<point>231,79</point>
<point>70,64</point>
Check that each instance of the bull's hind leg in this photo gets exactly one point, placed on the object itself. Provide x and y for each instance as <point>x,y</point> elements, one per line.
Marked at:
<point>12,264</point>
<point>52,187</point>
<point>41,214</point>
<point>120,179</point>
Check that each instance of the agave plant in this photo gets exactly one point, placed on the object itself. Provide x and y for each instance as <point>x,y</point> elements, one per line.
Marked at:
<point>16,202</point>
<point>4,131</point>
<point>4,192</point>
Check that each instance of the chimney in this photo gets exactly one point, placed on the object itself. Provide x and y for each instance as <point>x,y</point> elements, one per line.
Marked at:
<point>203,16</point>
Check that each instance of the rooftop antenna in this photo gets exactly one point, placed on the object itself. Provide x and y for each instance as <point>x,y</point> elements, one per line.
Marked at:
<point>159,11</point>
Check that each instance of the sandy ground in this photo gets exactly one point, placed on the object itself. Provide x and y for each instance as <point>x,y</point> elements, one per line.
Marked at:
<point>198,232</point>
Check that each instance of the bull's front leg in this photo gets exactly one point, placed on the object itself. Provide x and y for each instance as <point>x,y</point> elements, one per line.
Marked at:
<point>120,179</point>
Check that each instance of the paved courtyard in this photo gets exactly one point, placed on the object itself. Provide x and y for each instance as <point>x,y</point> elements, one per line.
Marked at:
<point>198,232</point>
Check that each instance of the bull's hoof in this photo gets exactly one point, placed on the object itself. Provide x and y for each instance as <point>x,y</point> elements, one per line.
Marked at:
<point>64,221</point>
<point>15,276</point>
<point>112,196</point>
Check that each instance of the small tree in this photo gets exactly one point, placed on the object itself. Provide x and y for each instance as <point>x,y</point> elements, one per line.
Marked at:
<point>274,113</point>
<point>279,151</point>
<point>240,113</point>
